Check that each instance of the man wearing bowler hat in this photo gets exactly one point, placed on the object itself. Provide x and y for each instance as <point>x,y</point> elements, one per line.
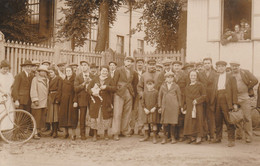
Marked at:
<point>22,86</point>
<point>123,98</point>
<point>225,95</point>
<point>245,84</point>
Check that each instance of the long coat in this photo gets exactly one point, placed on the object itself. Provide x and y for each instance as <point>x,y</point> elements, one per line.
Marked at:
<point>82,95</point>
<point>106,95</point>
<point>39,92</point>
<point>169,100</point>
<point>21,88</point>
<point>193,126</point>
<point>68,117</point>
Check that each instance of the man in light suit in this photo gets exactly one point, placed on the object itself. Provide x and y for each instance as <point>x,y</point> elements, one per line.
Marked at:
<point>123,99</point>
<point>22,86</point>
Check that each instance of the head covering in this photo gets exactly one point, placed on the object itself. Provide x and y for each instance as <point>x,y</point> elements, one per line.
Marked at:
<point>159,65</point>
<point>43,68</point>
<point>46,61</point>
<point>177,62</point>
<point>139,59</point>
<point>27,63</point>
<point>93,65</point>
<point>5,63</point>
<point>199,64</point>
<point>168,74</point>
<point>129,58</point>
<point>234,63</point>
<point>36,63</point>
<point>221,63</point>
<point>151,61</point>
<point>83,61</point>
<point>74,64</point>
<point>112,62</point>
<point>208,58</point>
<point>187,65</point>
<point>166,62</point>
<point>149,80</point>
<point>61,64</point>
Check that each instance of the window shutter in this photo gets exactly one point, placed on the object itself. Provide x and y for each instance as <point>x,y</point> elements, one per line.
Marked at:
<point>255,19</point>
<point>214,20</point>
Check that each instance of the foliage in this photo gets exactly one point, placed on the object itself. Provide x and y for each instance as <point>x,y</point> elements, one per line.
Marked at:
<point>14,16</point>
<point>160,21</point>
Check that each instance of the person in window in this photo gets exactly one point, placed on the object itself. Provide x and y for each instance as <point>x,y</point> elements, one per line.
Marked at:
<point>247,32</point>
<point>228,37</point>
<point>238,32</point>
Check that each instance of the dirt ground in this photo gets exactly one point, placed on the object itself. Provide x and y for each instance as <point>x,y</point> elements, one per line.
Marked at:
<point>128,151</point>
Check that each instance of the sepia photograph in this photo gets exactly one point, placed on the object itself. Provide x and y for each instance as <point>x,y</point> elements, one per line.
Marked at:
<point>129,82</point>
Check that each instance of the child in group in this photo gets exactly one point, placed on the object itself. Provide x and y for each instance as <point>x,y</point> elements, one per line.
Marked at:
<point>169,102</point>
<point>150,104</point>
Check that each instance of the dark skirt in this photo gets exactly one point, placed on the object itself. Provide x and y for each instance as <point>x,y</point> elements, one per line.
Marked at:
<point>39,116</point>
<point>52,113</point>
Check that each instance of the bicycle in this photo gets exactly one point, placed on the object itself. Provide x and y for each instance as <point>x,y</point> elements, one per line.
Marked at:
<point>22,127</point>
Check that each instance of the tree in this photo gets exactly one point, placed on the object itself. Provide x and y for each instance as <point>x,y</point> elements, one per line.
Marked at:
<point>160,22</point>
<point>14,21</point>
<point>82,15</point>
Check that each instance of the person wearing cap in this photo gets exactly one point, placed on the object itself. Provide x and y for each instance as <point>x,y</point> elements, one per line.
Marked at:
<point>166,65</point>
<point>151,73</point>
<point>21,87</point>
<point>93,70</point>
<point>39,97</point>
<point>134,115</point>
<point>199,67</point>
<point>169,104</point>
<point>245,84</point>
<point>81,83</point>
<point>159,67</point>
<point>123,97</point>
<point>61,69</point>
<point>149,104</point>
<point>207,77</point>
<point>112,68</point>
<point>34,67</point>
<point>46,63</point>
<point>225,95</point>
<point>74,67</point>
<point>6,81</point>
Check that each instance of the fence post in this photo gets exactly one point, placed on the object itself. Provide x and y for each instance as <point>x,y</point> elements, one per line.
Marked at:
<point>182,56</point>
<point>2,46</point>
<point>57,49</point>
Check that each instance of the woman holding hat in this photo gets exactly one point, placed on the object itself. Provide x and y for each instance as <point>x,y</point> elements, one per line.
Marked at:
<point>39,97</point>
<point>6,81</point>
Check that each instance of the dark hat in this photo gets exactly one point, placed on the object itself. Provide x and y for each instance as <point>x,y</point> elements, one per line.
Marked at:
<point>61,64</point>
<point>149,81</point>
<point>83,61</point>
<point>139,59</point>
<point>112,62</point>
<point>5,63</point>
<point>27,63</point>
<point>208,58</point>
<point>177,62</point>
<point>74,64</point>
<point>93,65</point>
<point>46,61</point>
<point>187,65</point>
<point>199,64</point>
<point>151,61</point>
<point>234,63</point>
<point>166,62</point>
<point>221,63</point>
<point>168,74</point>
<point>129,58</point>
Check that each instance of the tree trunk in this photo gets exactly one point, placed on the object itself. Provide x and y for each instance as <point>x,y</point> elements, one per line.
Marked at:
<point>103,27</point>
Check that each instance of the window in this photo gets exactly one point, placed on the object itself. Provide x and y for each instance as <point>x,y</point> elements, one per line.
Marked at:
<point>237,18</point>
<point>34,7</point>
<point>140,46</point>
<point>120,44</point>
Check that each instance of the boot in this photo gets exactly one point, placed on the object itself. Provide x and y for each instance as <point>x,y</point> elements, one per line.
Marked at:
<point>106,135</point>
<point>94,136</point>
<point>140,132</point>
<point>47,128</point>
<point>154,137</point>
<point>164,139</point>
<point>146,136</point>
<point>66,133</point>
<point>55,129</point>
<point>173,140</point>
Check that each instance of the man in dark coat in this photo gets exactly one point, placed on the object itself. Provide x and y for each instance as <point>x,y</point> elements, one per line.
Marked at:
<point>22,86</point>
<point>245,84</point>
<point>225,94</point>
<point>123,98</point>
<point>112,68</point>
<point>81,83</point>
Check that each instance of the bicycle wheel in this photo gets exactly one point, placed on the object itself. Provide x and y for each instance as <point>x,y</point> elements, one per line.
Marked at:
<point>17,127</point>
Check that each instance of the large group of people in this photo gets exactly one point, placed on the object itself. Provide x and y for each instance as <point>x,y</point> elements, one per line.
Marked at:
<point>167,100</point>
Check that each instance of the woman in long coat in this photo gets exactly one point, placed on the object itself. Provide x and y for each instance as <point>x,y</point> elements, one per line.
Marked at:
<point>68,116</point>
<point>53,100</point>
<point>169,102</point>
<point>101,89</point>
<point>194,96</point>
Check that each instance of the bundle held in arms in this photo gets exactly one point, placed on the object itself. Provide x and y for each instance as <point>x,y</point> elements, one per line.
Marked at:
<point>95,92</point>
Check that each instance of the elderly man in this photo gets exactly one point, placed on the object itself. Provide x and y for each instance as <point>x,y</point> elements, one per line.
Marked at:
<point>225,95</point>
<point>245,84</point>
<point>123,98</point>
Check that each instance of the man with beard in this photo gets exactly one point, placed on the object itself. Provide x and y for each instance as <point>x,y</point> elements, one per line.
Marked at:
<point>136,111</point>
<point>123,98</point>
<point>151,73</point>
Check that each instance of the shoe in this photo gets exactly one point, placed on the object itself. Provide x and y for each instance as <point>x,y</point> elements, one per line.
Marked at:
<point>173,141</point>
<point>211,140</point>
<point>231,143</point>
<point>198,140</point>
<point>130,133</point>
<point>140,133</point>
<point>164,140</point>
<point>121,135</point>
<point>83,137</point>
<point>94,139</point>
<point>146,137</point>
<point>55,135</point>
<point>106,137</point>
<point>154,138</point>
<point>36,137</point>
<point>116,137</point>
<point>181,139</point>
<point>217,141</point>
<point>191,140</point>
<point>73,138</point>
<point>238,138</point>
<point>66,136</point>
<point>248,140</point>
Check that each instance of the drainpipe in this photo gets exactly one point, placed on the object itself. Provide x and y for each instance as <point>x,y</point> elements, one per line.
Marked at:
<point>130,26</point>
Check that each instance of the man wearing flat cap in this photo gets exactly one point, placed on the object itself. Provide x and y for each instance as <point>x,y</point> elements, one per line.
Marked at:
<point>61,69</point>
<point>112,68</point>
<point>225,95</point>
<point>139,70</point>
<point>245,84</point>
<point>123,97</point>
<point>46,63</point>
<point>93,69</point>
<point>22,86</point>
<point>150,74</point>
<point>74,67</point>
